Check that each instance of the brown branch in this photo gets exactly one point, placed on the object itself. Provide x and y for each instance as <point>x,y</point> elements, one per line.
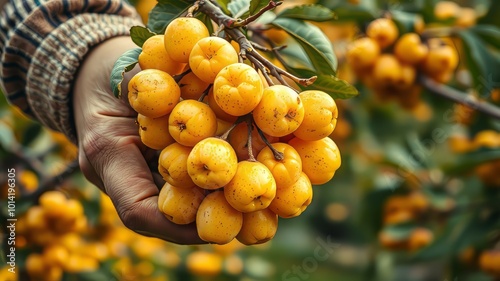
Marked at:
<point>247,50</point>
<point>271,5</point>
<point>460,97</point>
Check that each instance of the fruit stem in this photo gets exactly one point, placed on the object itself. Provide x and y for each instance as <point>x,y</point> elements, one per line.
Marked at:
<point>277,155</point>
<point>460,97</point>
<point>205,93</point>
<point>251,157</point>
<point>192,9</point>
<point>179,77</point>
<point>238,121</point>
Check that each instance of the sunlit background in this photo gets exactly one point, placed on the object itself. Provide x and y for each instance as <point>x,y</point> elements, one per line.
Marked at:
<point>416,197</point>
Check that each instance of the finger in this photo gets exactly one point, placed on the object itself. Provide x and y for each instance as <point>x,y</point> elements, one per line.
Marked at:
<point>88,170</point>
<point>129,182</point>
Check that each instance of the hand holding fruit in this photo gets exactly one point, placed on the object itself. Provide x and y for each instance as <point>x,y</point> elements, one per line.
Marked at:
<point>111,154</point>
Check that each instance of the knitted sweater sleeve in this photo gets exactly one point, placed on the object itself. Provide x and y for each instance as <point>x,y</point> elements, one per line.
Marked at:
<point>43,42</point>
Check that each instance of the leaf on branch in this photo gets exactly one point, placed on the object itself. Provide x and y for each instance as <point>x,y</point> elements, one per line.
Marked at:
<point>207,21</point>
<point>256,6</point>
<point>399,232</point>
<point>345,11</point>
<point>238,8</point>
<point>489,33</point>
<point>314,43</point>
<point>335,87</point>
<point>312,12</point>
<point>223,5</point>
<point>125,63</point>
<point>164,12</point>
<point>482,62</point>
<point>466,162</point>
<point>140,34</point>
<point>405,21</point>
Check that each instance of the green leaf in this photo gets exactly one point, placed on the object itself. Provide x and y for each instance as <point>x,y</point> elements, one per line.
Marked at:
<point>488,33</point>
<point>125,63</point>
<point>335,87</point>
<point>312,12</point>
<point>238,8</point>
<point>223,5</point>
<point>207,21</point>
<point>399,232</point>
<point>468,161</point>
<point>164,12</point>
<point>140,34</point>
<point>482,63</point>
<point>360,13</point>
<point>7,138</point>
<point>405,21</point>
<point>257,5</point>
<point>314,43</point>
<point>31,133</point>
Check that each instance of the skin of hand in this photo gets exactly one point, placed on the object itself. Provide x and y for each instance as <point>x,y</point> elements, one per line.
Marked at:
<point>111,154</point>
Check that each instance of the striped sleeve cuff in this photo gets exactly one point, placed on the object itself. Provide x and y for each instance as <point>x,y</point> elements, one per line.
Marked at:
<point>50,77</point>
<point>43,44</point>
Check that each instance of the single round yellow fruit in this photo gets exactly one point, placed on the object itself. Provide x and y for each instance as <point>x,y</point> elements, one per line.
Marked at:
<point>221,114</point>
<point>280,111</point>
<point>441,59</point>
<point>252,188</point>
<point>420,238</point>
<point>409,49</point>
<point>320,159</point>
<point>209,56</point>
<point>154,131</point>
<point>362,53</point>
<point>180,204</point>
<point>258,227</point>
<point>238,89</point>
<point>181,35</point>
<point>387,71</point>
<point>285,171</point>
<point>154,56</point>
<point>172,165</point>
<point>384,31</point>
<point>53,203</point>
<point>192,121</point>
<point>192,87</point>
<point>444,10</point>
<point>217,221</point>
<point>212,163</point>
<point>204,263</point>
<point>292,200</point>
<point>153,93</point>
<point>320,115</point>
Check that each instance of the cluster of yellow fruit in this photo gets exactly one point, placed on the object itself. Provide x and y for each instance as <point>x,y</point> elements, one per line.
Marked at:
<point>450,11</point>
<point>65,244</point>
<point>389,64</point>
<point>405,208</point>
<point>488,171</point>
<point>233,184</point>
<point>53,225</point>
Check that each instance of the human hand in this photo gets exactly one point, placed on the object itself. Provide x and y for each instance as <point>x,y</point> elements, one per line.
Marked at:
<point>111,154</point>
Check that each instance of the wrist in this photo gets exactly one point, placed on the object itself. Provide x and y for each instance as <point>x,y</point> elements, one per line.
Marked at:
<point>92,94</point>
